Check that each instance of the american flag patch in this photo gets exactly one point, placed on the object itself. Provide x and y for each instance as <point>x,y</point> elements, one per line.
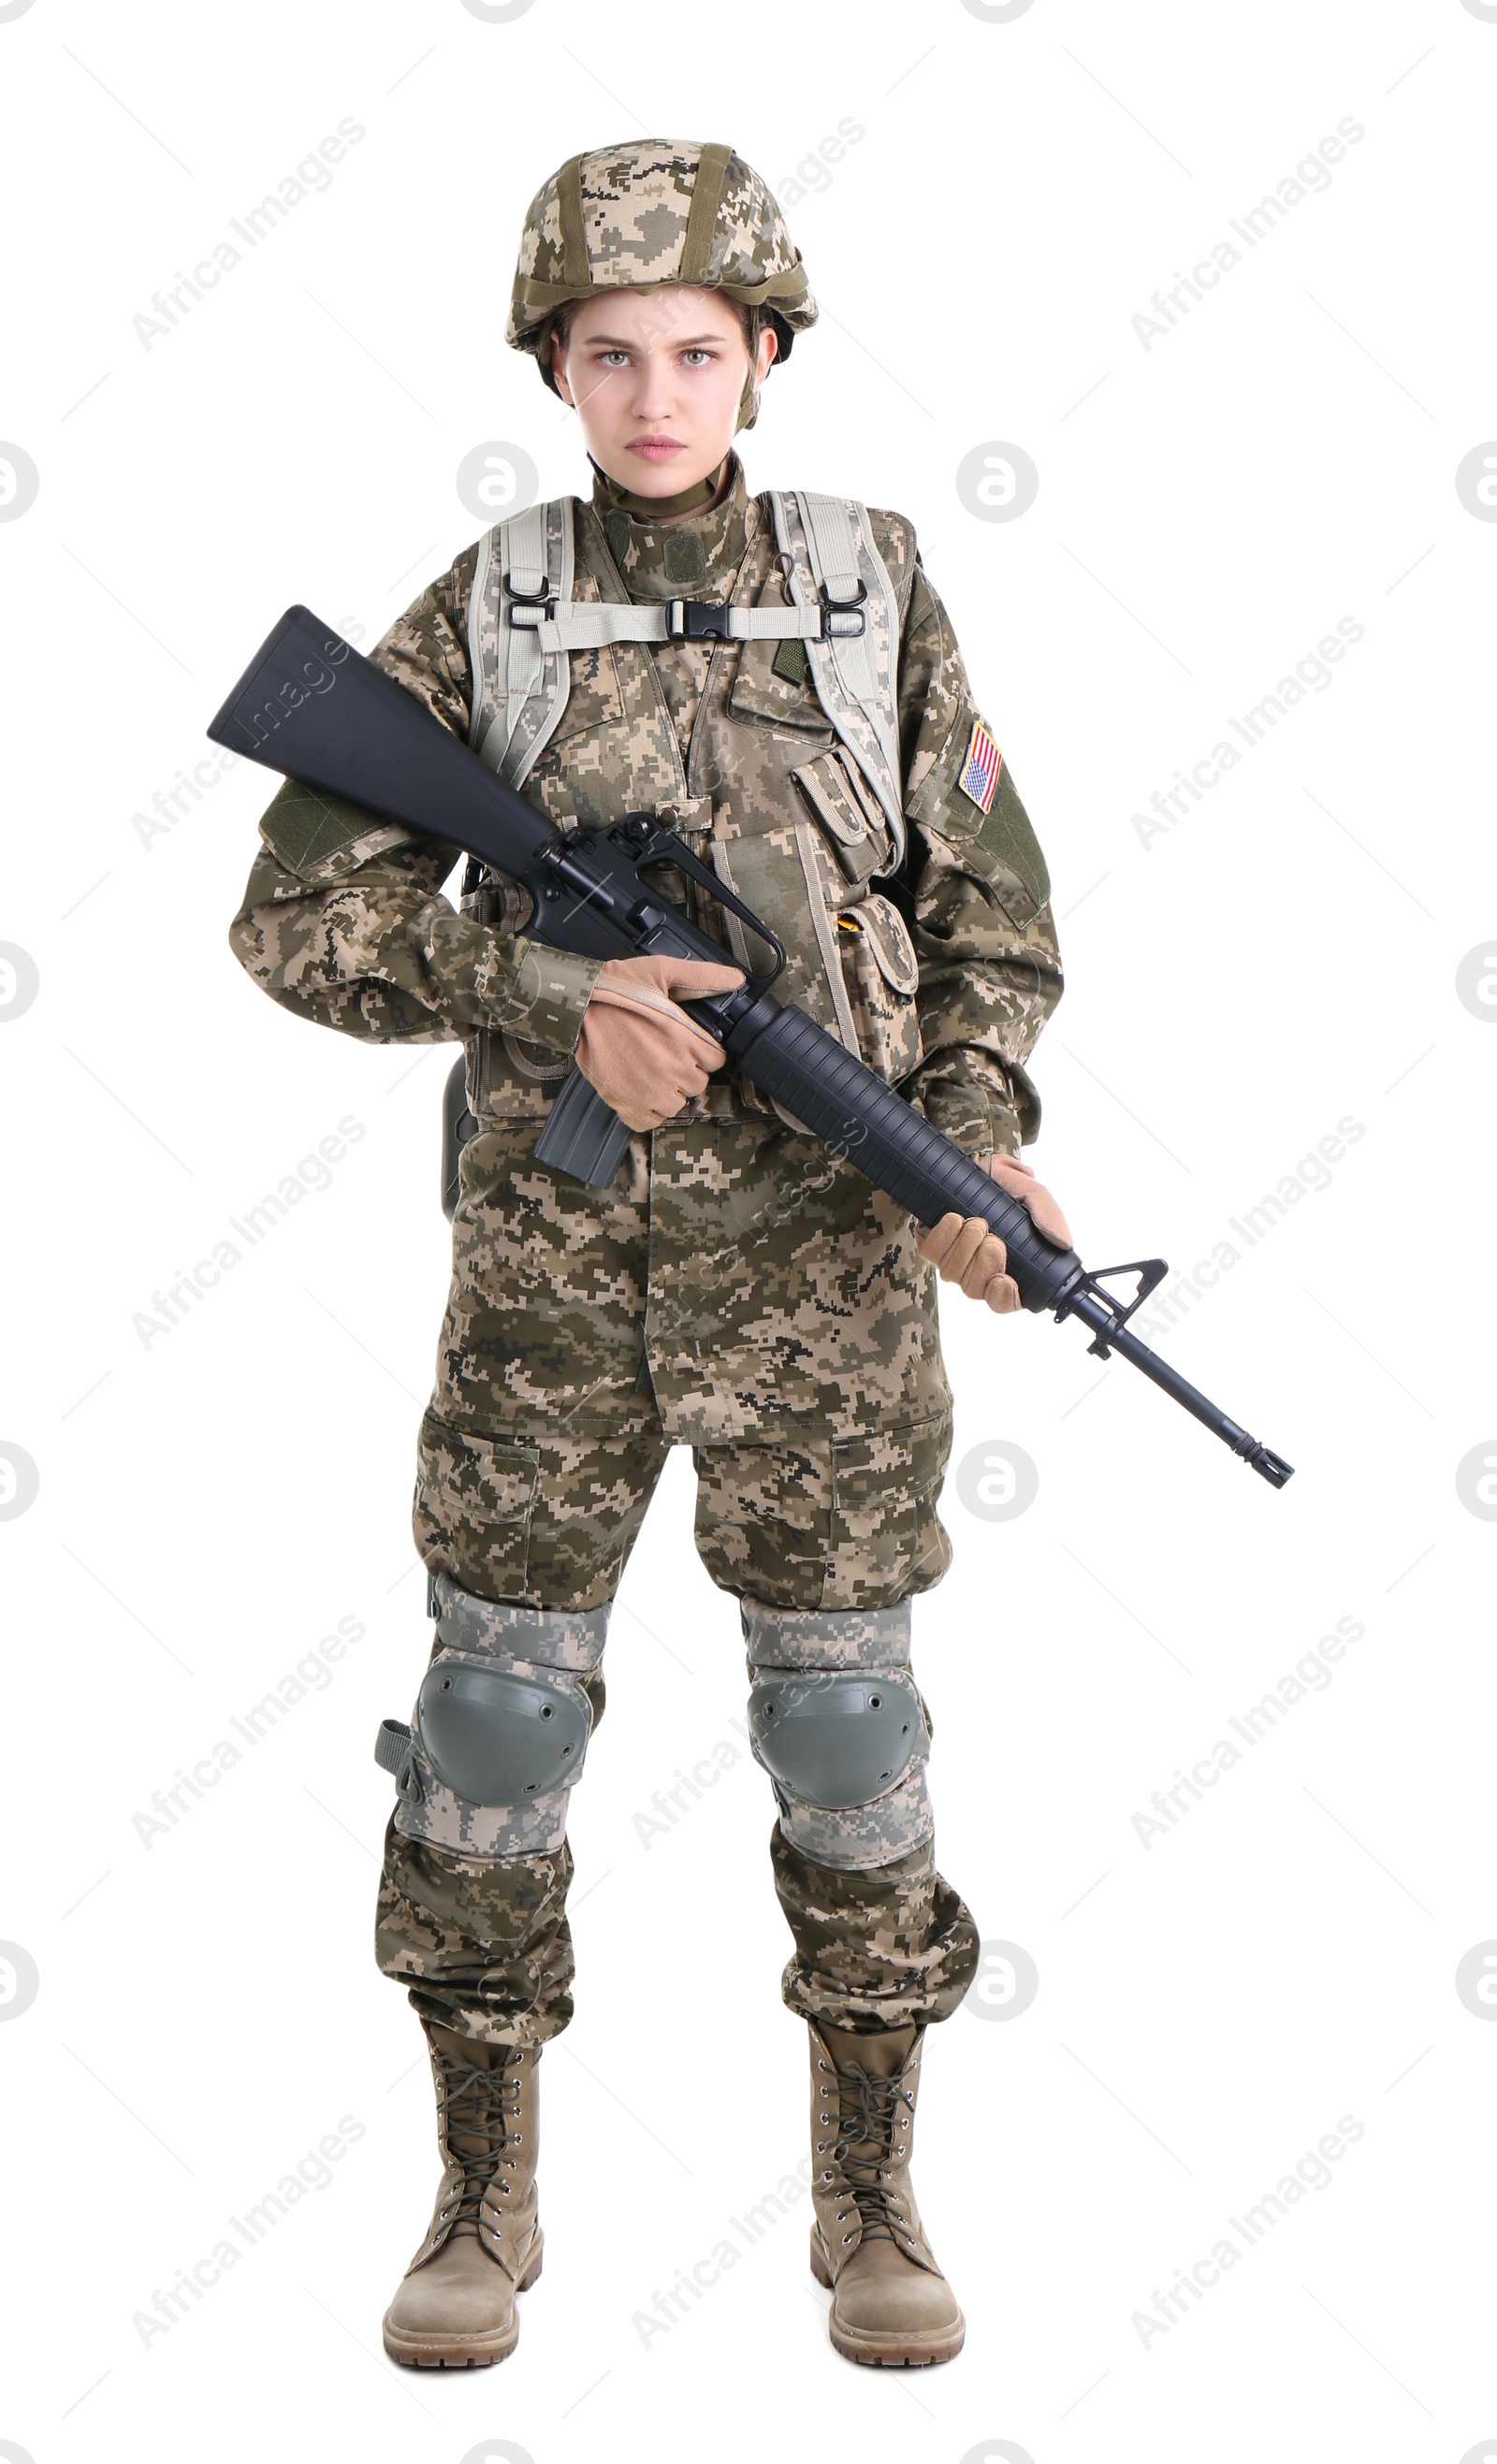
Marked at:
<point>980,771</point>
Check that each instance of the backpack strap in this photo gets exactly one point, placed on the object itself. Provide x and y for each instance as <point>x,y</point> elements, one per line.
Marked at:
<point>520,682</point>
<point>831,567</point>
<point>523,620</point>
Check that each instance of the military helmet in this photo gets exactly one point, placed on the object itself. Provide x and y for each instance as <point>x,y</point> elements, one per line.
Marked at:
<point>627,217</point>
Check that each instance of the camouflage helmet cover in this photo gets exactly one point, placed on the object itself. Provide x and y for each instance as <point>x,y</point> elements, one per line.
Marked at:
<point>626,217</point>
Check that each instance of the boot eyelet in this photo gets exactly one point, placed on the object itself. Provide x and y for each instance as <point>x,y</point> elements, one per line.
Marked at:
<point>846,2237</point>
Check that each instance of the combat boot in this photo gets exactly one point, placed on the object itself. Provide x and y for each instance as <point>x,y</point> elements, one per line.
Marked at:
<point>484,2243</point>
<point>890,2301</point>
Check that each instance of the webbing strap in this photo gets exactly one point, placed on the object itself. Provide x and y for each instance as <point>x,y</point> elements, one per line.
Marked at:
<point>521,655</point>
<point>701,222</point>
<point>569,1638</point>
<point>833,544</point>
<point>827,555</point>
<point>587,624</point>
<point>823,1638</point>
<point>574,237</point>
<point>392,1748</point>
<point>532,554</point>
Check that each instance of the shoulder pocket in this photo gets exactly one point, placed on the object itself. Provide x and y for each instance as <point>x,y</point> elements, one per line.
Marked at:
<point>1007,841</point>
<point>999,846</point>
<point>320,838</point>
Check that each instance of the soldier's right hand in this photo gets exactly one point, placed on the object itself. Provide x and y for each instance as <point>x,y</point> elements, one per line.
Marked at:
<point>638,1048</point>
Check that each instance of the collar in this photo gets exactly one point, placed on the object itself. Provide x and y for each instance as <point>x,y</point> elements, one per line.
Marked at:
<point>687,555</point>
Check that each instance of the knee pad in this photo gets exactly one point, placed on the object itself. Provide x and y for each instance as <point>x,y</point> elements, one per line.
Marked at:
<point>500,1731</point>
<point>837,1721</point>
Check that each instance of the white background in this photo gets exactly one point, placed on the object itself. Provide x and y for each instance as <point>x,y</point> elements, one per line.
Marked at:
<point>213,1501</point>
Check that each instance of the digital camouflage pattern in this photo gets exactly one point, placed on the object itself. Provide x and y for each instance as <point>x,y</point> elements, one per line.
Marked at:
<point>486,1949</point>
<point>698,556</point>
<point>887,1946</point>
<point>362,940</point>
<point>378,951</point>
<point>566,1639</point>
<point>804,1638</point>
<point>620,218</point>
<point>737,1288</point>
<point>857,1836</point>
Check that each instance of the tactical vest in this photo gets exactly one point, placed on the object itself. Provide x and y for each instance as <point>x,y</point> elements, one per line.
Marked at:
<point>791,788</point>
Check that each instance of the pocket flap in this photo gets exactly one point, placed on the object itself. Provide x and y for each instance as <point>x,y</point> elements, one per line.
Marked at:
<point>846,814</point>
<point>771,683</point>
<point>884,929</point>
<point>476,1477</point>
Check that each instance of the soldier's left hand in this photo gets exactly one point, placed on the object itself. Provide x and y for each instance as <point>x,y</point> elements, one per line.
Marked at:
<point>968,1253</point>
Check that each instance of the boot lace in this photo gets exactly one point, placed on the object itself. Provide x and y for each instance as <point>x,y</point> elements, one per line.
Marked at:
<point>868,2121</point>
<point>478,2110</point>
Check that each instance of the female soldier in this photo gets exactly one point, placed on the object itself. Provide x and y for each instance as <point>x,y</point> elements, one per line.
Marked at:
<point>777,674</point>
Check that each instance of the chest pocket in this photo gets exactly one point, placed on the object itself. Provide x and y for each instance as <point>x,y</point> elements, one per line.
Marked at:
<point>594,698</point>
<point>774,683</point>
<point>614,750</point>
<point>849,960</point>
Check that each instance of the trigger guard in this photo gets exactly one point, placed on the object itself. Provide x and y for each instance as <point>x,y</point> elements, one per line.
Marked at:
<point>651,842</point>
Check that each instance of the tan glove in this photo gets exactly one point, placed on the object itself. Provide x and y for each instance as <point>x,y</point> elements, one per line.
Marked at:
<point>643,1054</point>
<point>969,1254</point>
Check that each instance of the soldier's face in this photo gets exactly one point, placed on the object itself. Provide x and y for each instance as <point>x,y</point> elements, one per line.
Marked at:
<point>656,378</point>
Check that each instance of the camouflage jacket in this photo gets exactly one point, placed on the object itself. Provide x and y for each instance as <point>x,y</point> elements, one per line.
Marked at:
<point>949,960</point>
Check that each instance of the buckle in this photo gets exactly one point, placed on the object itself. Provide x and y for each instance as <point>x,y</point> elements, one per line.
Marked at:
<point>696,619</point>
<point>543,601</point>
<point>843,619</point>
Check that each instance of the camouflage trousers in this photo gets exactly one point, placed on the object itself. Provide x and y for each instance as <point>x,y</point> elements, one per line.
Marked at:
<point>737,1290</point>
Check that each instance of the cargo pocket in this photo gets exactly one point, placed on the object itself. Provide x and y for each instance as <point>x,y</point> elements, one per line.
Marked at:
<point>881,972</point>
<point>849,821</point>
<point>887,1539</point>
<point>474,1501</point>
<point>875,956</point>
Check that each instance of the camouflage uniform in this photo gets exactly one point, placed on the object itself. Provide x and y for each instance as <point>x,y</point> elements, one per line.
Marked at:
<point>737,1288</point>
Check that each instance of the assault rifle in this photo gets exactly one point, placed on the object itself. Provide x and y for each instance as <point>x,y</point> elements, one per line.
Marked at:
<point>311,707</point>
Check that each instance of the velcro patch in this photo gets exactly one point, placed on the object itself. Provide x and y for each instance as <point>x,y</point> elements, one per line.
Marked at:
<point>978,777</point>
<point>307,828</point>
